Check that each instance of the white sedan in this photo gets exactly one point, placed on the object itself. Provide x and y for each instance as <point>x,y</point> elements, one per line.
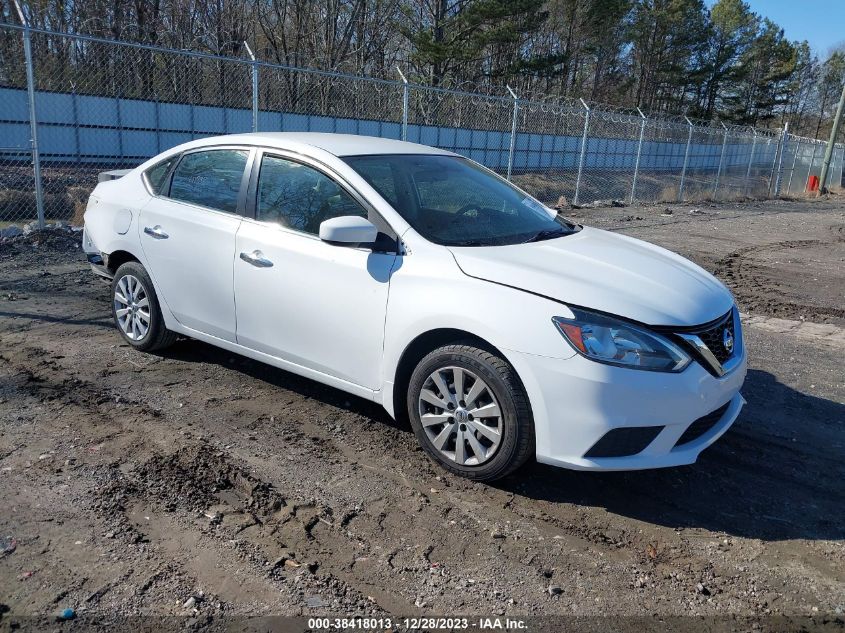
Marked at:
<point>418,279</point>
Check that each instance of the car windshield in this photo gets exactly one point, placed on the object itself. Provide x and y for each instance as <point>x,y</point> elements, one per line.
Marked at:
<point>452,201</point>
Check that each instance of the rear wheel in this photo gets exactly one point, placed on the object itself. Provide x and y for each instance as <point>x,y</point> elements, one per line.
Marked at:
<point>136,310</point>
<point>470,412</point>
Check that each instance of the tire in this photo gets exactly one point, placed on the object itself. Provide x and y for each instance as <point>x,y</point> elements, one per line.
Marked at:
<point>132,279</point>
<point>500,391</point>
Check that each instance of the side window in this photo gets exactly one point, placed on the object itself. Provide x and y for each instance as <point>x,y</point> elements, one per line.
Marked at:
<point>210,179</point>
<point>157,174</point>
<point>300,197</point>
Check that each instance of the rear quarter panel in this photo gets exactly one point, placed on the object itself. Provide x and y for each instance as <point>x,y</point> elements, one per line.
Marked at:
<point>111,215</point>
<point>111,223</point>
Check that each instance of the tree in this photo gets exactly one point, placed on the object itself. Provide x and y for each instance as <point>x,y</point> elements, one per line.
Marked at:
<point>458,39</point>
<point>733,27</point>
<point>801,87</point>
<point>770,63</point>
<point>604,30</point>
<point>660,55</point>
<point>830,87</point>
<point>667,40</point>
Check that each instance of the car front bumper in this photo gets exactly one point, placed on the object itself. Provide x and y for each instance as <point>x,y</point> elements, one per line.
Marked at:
<point>576,401</point>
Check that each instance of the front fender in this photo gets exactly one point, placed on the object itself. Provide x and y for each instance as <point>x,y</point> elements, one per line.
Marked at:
<point>430,293</point>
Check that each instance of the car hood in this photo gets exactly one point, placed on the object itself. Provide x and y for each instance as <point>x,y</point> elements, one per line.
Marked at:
<point>607,272</point>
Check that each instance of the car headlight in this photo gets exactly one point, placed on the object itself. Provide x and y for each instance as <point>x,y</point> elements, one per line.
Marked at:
<point>615,342</point>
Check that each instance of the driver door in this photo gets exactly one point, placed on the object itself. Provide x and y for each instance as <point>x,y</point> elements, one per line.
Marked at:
<point>314,304</point>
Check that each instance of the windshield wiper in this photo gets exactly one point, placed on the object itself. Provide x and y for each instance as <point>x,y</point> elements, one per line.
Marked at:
<point>546,234</point>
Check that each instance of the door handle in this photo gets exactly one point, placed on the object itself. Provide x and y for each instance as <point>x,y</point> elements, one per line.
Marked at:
<point>157,232</point>
<point>257,259</point>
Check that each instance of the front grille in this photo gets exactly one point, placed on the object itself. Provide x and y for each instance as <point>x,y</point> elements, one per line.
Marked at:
<point>713,337</point>
<point>702,425</point>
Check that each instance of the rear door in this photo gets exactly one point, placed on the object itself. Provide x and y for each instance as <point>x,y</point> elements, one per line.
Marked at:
<point>317,305</point>
<point>188,235</point>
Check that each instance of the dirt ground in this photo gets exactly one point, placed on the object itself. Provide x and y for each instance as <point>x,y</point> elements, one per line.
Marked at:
<point>201,484</point>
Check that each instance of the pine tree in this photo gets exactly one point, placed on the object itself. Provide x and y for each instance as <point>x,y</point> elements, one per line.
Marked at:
<point>733,27</point>
<point>770,63</point>
<point>830,86</point>
<point>667,38</point>
<point>458,39</point>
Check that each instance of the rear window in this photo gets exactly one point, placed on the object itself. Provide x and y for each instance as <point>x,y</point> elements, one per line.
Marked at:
<point>210,178</point>
<point>157,174</point>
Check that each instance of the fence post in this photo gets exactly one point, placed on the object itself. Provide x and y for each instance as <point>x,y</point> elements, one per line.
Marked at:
<point>119,129</point>
<point>639,153</point>
<point>784,139</point>
<point>513,130</point>
<point>774,164</point>
<point>158,123</point>
<point>721,162</point>
<point>810,168</point>
<point>75,110</point>
<point>33,122</point>
<point>750,160</point>
<point>404,104</point>
<point>583,151</point>
<point>772,170</point>
<point>686,161</point>
<point>254,88</point>
<point>794,160</point>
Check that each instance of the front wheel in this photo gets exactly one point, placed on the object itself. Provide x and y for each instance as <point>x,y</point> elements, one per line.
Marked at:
<point>136,311</point>
<point>470,412</point>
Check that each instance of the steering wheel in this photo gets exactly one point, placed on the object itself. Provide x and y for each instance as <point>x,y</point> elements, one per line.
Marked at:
<point>470,206</point>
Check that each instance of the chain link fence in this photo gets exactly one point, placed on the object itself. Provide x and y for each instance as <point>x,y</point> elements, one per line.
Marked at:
<point>802,160</point>
<point>72,106</point>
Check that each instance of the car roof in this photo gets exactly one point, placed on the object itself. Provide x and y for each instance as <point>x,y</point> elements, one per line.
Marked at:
<point>337,144</point>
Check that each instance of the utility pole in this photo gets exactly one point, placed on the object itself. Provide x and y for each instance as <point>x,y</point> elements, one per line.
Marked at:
<point>831,142</point>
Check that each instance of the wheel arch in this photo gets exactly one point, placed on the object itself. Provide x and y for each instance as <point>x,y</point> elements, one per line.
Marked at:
<point>123,252</point>
<point>419,347</point>
<point>119,257</point>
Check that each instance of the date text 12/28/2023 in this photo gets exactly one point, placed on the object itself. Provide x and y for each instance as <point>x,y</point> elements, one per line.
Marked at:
<point>418,623</point>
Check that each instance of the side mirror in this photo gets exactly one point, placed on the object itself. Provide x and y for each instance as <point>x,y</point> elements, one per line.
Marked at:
<point>348,229</point>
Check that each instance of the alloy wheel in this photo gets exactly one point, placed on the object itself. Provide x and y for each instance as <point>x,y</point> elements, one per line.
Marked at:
<point>460,416</point>
<point>132,307</point>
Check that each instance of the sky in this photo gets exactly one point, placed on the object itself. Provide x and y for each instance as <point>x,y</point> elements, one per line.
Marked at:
<point>820,22</point>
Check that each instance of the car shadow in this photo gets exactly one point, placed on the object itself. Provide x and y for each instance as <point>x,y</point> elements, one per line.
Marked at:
<point>192,351</point>
<point>776,474</point>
